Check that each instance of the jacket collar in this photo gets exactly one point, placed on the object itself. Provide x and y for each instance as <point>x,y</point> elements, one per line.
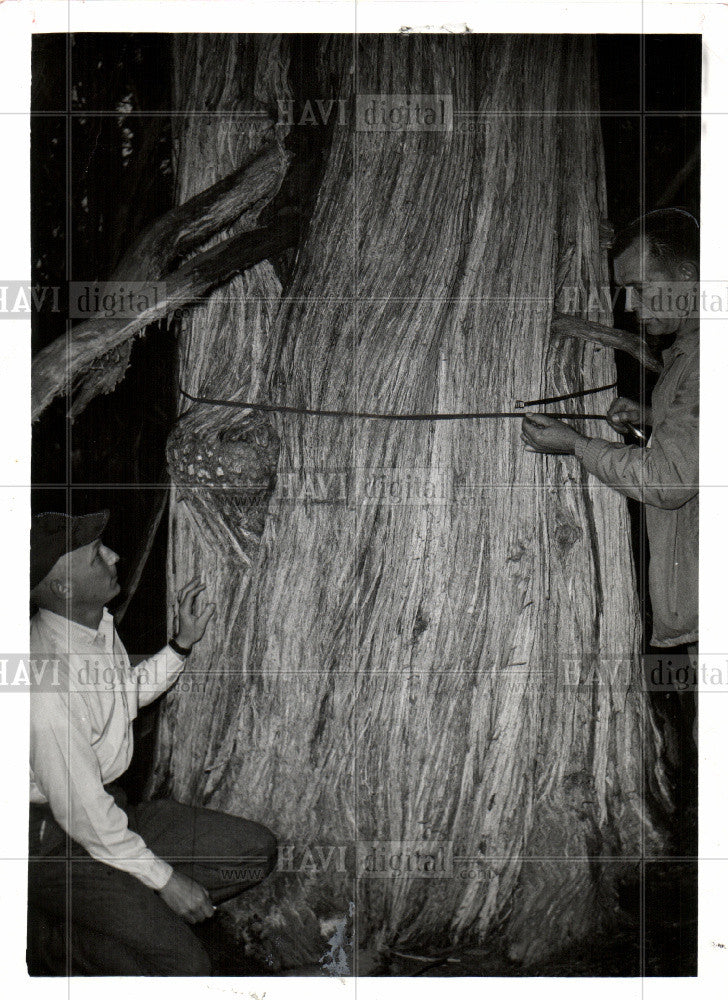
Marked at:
<point>685,343</point>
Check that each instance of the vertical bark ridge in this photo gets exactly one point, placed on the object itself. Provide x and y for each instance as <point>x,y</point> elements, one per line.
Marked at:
<point>221,461</point>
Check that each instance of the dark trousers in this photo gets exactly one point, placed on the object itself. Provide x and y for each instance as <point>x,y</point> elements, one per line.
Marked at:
<point>106,922</point>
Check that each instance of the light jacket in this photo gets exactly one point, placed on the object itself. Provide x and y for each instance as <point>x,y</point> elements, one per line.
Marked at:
<point>664,476</point>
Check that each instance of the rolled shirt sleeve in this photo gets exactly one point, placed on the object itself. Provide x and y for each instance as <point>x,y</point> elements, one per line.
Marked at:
<point>66,771</point>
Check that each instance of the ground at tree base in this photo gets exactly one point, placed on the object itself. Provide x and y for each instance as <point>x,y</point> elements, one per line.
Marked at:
<point>656,936</point>
<point>668,903</point>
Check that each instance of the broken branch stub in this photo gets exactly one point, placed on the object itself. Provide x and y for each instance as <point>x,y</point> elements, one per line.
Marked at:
<point>596,333</point>
<point>95,357</point>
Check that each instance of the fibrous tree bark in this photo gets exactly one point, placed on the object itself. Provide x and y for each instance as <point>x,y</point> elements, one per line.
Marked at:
<point>426,644</point>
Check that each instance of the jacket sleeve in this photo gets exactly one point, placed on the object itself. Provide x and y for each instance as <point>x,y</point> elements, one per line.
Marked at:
<point>67,772</point>
<point>665,473</point>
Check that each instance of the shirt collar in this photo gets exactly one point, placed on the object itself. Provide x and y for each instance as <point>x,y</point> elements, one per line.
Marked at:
<point>74,632</point>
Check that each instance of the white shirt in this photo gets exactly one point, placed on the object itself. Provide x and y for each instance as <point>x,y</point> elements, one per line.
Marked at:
<point>81,735</point>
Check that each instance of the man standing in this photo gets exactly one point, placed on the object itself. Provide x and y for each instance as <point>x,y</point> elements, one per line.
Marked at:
<point>656,260</point>
<point>124,882</point>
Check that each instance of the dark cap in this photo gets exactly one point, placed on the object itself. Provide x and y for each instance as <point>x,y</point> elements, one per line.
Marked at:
<point>53,535</point>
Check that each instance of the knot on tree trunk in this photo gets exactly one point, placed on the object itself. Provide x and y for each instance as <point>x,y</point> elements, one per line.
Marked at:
<point>241,458</point>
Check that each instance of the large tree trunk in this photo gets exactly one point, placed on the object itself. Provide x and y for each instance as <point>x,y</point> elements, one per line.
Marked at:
<point>435,637</point>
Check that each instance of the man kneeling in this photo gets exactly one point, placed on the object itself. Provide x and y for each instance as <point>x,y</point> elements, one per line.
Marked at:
<point>121,882</point>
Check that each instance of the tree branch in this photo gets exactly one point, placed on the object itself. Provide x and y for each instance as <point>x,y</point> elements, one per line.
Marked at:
<point>143,555</point>
<point>95,357</point>
<point>608,336</point>
<point>83,361</point>
<point>679,179</point>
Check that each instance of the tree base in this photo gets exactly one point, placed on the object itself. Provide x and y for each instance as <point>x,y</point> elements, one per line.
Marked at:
<point>567,891</point>
<point>279,934</point>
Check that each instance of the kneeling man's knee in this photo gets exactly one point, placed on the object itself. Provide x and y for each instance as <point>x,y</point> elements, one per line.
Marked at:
<point>266,853</point>
<point>196,963</point>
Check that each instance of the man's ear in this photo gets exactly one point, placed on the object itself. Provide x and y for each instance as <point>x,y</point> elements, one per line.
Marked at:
<point>688,271</point>
<point>59,588</point>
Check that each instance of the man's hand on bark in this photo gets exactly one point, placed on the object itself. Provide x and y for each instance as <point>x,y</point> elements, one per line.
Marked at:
<point>187,898</point>
<point>625,411</point>
<point>191,623</point>
<point>547,435</point>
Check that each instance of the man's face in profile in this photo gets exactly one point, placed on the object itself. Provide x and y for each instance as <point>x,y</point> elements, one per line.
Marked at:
<point>662,295</point>
<point>91,573</point>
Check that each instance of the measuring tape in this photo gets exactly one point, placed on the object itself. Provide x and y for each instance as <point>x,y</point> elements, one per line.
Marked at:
<point>367,415</point>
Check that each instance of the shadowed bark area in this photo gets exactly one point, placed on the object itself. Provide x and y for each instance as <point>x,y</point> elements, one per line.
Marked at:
<point>431,638</point>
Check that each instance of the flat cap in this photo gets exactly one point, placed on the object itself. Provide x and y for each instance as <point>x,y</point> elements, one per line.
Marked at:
<point>52,535</point>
